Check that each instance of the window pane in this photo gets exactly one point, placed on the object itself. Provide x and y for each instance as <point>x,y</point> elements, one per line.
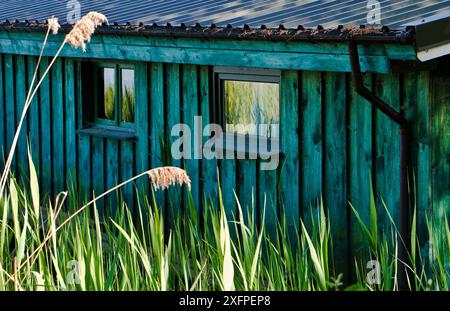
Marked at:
<point>128,95</point>
<point>106,93</point>
<point>249,104</point>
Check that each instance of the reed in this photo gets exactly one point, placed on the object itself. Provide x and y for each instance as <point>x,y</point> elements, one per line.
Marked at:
<point>77,37</point>
<point>55,245</point>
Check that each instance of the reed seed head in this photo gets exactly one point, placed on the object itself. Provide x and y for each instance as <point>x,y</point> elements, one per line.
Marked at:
<point>84,28</point>
<point>164,177</point>
<point>53,25</point>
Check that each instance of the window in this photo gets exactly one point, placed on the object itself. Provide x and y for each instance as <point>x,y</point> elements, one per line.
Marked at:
<point>249,109</point>
<point>250,100</point>
<point>114,93</point>
<point>250,104</point>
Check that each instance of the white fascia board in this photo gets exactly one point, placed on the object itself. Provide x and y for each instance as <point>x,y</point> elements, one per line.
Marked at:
<point>434,52</point>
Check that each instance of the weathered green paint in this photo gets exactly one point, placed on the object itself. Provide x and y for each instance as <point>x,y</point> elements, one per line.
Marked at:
<point>127,165</point>
<point>34,117</point>
<point>109,133</point>
<point>268,199</point>
<point>9,102</point>
<point>209,168</point>
<point>20,81</point>
<point>173,117</point>
<point>57,128</point>
<point>98,169</point>
<point>410,108</point>
<point>156,84</point>
<point>335,164</point>
<point>247,190</point>
<point>360,166</point>
<point>311,143</point>
<point>423,171</point>
<point>70,121</point>
<point>190,110</point>
<point>141,118</point>
<point>394,51</point>
<point>84,145</point>
<point>289,131</point>
<point>228,186</point>
<point>112,169</point>
<point>84,166</point>
<point>46,121</point>
<point>326,132</point>
<point>304,58</point>
<point>440,125</point>
<point>387,142</point>
<point>2,116</point>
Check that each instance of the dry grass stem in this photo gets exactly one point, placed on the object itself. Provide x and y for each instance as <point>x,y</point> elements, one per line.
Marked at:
<point>80,34</point>
<point>53,26</point>
<point>170,175</point>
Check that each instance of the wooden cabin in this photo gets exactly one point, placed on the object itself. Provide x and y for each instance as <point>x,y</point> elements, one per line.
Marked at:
<point>107,114</point>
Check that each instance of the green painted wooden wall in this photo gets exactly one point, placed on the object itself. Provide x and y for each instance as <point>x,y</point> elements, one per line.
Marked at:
<point>332,141</point>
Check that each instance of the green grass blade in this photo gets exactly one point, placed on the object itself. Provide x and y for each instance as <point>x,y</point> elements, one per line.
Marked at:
<point>315,259</point>
<point>34,186</point>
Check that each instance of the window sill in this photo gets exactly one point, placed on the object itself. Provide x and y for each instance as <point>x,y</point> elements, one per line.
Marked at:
<point>250,148</point>
<point>110,132</point>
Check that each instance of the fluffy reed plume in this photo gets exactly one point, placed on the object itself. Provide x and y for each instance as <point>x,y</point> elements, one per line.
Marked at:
<point>161,178</point>
<point>84,28</point>
<point>164,177</point>
<point>53,25</point>
<point>80,34</point>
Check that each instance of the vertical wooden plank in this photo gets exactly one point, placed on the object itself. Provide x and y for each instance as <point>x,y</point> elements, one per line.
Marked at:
<point>157,120</point>
<point>84,167</point>
<point>127,171</point>
<point>57,122</point>
<point>228,185</point>
<point>112,170</point>
<point>34,117</point>
<point>79,122</point>
<point>10,119</point>
<point>70,121</point>
<point>360,167</point>
<point>142,130</point>
<point>409,109</point>
<point>388,150</point>
<point>2,117</point>
<point>46,121</point>
<point>335,166</point>
<point>409,106</point>
<point>190,110</point>
<point>83,144</point>
<point>98,171</point>
<point>311,143</point>
<point>422,125</point>
<point>21,95</point>
<point>209,167</point>
<point>173,118</point>
<point>268,199</point>
<point>440,131</point>
<point>246,185</point>
<point>289,116</point>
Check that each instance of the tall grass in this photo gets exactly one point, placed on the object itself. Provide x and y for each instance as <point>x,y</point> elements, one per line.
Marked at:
<point>126,251</point>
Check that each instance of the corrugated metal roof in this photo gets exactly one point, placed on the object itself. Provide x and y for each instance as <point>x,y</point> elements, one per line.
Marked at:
<point>290,13</point>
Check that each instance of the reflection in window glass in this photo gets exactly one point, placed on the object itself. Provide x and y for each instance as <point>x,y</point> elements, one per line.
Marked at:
<point>106,94</point>
<point>250,104</point>
<point>128,95</point>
